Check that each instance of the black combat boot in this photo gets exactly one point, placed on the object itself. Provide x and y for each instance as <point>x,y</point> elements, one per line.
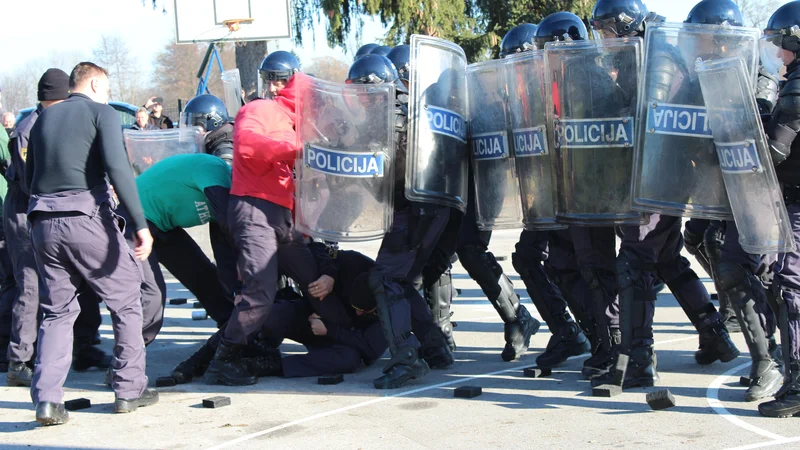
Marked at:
<point>567,341</point>
<point>435,350</point>
<point>518,334</point>
<point>403,367</point>
<point>605,355</point>
<point>266,365</point>
<point>787,399</point>
<point>228,368</point>
<point>85,356</point>
<point>126,405</point>
<point>197,364</point>
<point>48,413</point>
<point>19,374</point>
<point>715,345</point>
<point>641,370</point>
<point>765,380</point>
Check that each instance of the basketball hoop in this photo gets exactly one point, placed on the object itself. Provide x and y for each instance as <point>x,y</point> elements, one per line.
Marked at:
<point>233,24</point>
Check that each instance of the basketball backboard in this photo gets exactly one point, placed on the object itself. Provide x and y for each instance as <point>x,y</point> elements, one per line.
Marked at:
<point>205,20</point>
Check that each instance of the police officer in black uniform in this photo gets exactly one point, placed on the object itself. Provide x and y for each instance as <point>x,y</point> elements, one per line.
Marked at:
<point>415,231</point>
<point>782,132</point>
<point>652,251</point>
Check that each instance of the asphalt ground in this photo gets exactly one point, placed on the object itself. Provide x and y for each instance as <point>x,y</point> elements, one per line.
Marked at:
<point>513,411</point>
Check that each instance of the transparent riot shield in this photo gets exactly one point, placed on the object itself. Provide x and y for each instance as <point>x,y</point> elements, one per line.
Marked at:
<point>345,169</point>
<point>592,88</point>
<point>232,91</point>
<point>525,77</point>
<point>497,202</point>
<point>676,169</point>
<point>755,195</point>
<point>436,166</point>
<point>146,148</point>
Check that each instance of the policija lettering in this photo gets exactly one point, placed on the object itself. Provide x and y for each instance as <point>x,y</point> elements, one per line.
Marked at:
<point>343,164</point>
<point>594,133</point>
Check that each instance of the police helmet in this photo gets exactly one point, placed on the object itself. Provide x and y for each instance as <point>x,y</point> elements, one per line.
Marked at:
<point>365,50</point>
<point>716,12</point>
<point>204,111</point>
<point>783,28</point>
<point>619,17</point>
<point>372,69</point>
<point>278,65</point>
<point>382,50</point>
<point>518,39</point>
<point>560,26</point>
<point>400,56</point>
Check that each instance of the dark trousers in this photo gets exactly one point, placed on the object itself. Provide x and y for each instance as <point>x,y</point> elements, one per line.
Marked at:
<point>154,288</point>
<point>787,274</point>
<point>289,319</point>
<point>185,260</point>
<point>404,253</point>
<point>8,291</point>
<point>654,250</point>
<point>596,255</point>
<point>732,251</point>
<point>266,241</point>
<point>71,248</point>
<point>26,314</point>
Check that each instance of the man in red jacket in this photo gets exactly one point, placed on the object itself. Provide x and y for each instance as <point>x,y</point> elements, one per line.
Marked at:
<point>261,221</point>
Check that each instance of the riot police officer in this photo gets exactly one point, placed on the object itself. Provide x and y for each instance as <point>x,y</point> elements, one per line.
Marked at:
<point>415,231</point>
<point>534,263</point>
<point>592,269</point>
<point>782,132</point>
<point>735,271</point>
<point>210,113</point>
<point>365,50</point>
<point>400,56</point>
<point>275,71</point>
<point>653,250</point>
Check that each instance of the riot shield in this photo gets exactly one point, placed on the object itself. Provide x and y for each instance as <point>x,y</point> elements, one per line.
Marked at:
<point>146,148</point>
<point>592,88</point>
<point>497,202</point>
<point>232,91</point>
<point>526,104</point>
<point>676,169</point>
<point>436,165</point>
<point>345,168</point>
<point>753,190</point>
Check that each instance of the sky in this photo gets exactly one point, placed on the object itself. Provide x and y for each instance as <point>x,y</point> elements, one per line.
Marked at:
<point>34,29</point>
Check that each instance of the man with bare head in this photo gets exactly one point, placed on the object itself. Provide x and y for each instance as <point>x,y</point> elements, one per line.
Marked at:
<point>76,238</point>
<point>9,121</point>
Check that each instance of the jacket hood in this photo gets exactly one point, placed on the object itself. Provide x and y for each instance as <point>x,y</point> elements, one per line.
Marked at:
<point>287,97</point>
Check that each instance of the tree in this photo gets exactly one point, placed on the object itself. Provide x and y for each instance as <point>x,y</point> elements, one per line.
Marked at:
<point>127,81</point>
<point>476,25</point>
<point>328,68</point>
<point>20,86</point>
<point>757,12</point>
<point>248,60</point>
<point>175,74</point>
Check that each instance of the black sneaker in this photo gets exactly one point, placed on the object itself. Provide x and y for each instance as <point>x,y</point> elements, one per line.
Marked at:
<point>19,374</point>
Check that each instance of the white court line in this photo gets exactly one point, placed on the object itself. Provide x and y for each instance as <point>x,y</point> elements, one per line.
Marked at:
<point>383,399</point>
<point>712,397</point>
<point>768,443</point>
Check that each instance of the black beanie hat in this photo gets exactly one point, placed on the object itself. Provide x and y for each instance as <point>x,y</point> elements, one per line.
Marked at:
<point>54,85</point>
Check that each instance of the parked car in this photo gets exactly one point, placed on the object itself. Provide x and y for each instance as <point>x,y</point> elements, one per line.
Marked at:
<point>127,113</point>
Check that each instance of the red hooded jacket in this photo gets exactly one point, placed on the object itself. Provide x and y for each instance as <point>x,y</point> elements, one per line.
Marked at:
<point>265,147</point>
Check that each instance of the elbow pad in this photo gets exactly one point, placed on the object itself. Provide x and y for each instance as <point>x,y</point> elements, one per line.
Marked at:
<point>778,152</point>
<point>766,91</point>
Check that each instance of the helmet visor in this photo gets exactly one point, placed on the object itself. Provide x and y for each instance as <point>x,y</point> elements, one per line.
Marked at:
<point>207,122</point>
<point>771,53</point>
